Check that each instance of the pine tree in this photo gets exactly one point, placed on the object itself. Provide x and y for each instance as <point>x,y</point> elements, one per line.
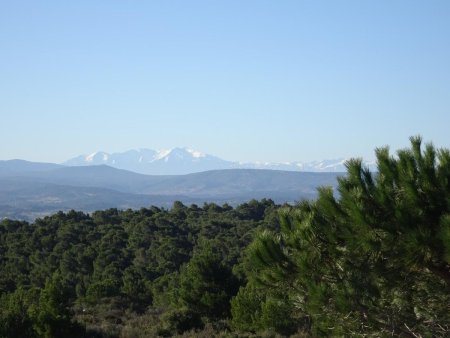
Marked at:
<point>374,259</point>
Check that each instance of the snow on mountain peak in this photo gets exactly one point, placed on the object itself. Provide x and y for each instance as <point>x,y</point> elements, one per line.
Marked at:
<point>96,156</point>
<point>178,153</point>
<point>160,154</point>
<point>186,160</point>
<point>195,153</point>
<point>90,158</point>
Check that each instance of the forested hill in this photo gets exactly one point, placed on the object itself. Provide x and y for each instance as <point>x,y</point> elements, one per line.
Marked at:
<point>125,273</point>
<point>371,261</point>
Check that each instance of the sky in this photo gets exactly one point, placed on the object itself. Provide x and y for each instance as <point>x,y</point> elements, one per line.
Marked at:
<point>248,80</point>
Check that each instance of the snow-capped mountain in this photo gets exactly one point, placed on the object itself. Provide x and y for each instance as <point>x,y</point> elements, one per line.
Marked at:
<point>337,165</point>
<point>175,161</point>
<point>179,161</point>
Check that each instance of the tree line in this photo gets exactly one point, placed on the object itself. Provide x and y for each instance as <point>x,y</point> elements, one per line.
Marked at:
<point>370,259</point>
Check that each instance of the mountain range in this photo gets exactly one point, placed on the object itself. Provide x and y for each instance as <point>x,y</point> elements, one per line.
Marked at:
<point>180,161</point>
<point>144,177</point>
<point>29,190</point>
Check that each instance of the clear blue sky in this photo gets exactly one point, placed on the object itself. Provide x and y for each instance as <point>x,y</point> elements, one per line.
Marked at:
<point>244,80</point>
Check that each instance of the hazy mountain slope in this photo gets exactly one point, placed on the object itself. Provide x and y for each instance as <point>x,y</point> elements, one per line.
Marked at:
<point>15,167</point>
<point>101,176</point>
<point>88,188</point>
<point>236,182</point>
<point>231,182</point>
<point>28,200</point>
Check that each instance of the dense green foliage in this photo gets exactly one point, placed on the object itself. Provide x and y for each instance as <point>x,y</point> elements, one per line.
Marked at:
<point>374,261</point>
<point>371,259</point>
<point>124,273</point>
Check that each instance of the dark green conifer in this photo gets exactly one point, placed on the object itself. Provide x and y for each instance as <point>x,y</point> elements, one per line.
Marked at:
<point>375,258</point>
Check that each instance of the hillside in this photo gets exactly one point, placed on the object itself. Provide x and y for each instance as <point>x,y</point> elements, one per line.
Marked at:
<point>371,260</point>
<point>29,192</point>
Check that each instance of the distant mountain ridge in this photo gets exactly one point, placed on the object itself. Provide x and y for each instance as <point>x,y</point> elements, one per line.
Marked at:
<point>15,167</point>
<point>144,177</point>
<point>176,161</point>
<point>180,161</point>
<point>29,190</point>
